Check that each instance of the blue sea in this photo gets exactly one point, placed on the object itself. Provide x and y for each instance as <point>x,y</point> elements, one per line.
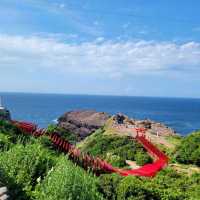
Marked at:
<point>182,114</point>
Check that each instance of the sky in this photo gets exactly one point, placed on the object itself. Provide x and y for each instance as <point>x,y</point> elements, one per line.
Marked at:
<point>107,47</point>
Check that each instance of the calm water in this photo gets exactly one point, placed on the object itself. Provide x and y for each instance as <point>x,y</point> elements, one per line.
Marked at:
<point>181,114</point>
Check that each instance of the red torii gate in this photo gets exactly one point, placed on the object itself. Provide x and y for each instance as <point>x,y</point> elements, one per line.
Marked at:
<point>140,131</point>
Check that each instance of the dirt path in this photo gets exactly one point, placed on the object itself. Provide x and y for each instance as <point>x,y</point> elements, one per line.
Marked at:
<point>123,130</point>
<point>132,164</point>
<point>187,169</point>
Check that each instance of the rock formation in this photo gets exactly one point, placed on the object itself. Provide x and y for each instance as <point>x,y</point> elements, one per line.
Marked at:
<point>82,123</point>
<point>152,126</point>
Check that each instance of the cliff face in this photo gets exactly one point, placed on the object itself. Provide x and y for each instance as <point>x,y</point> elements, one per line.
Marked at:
<point>82,123</point>
<point>4,114</point>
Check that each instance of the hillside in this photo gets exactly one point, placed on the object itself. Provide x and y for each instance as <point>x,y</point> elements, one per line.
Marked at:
<point>33,168</point>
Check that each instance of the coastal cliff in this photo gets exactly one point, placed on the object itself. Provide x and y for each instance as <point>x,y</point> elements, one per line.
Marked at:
<point>82,122</point>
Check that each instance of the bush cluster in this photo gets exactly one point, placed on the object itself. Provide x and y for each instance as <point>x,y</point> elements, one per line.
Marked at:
<point>167,185</point>
<point>188,152</point>
<point>115,149</point>
<point>25,164</point>
<point>30,170</point>
<point>71,137</point>
<point>12,133</point>
<point>67,181</point>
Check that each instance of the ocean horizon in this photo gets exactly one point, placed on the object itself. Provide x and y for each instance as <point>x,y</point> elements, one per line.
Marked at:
<point>181,114</point>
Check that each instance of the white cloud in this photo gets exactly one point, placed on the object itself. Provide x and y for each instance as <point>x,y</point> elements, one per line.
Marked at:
<point>108,58</point>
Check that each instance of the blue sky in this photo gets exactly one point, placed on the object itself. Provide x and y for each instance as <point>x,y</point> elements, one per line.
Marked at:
<point>115,47</point>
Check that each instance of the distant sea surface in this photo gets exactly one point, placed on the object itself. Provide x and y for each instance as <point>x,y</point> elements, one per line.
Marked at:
<point>181,114</point>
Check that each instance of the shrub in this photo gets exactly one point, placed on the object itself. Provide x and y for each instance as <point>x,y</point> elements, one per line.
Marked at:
<point>15,191</point>
<point>194,189</point>
<point>115,160</point>
<point>171,185</point>
<point>46,142</point>
<point>195,157</point>
<point>71,137</point>
<point>167,185</point>
<point>188,152</point>
<point>66,181</point>
<point>108,185</point>
<point>15,135</point>
<point>132,188</point>
<point>25,164</point>
<point>142,158</point>
<point>5,142</point>
<point>113,148</point>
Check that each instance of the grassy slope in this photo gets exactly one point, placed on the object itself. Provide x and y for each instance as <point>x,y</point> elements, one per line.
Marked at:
<point>32,169</point>
<point>104,143</point>
<point>114,148</point>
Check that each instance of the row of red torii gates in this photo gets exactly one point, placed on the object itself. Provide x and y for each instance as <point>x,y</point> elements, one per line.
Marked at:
<point>96,164</point>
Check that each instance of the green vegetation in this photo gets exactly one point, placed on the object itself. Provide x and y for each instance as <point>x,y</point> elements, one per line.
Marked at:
<point>174,139</point>
<point>72,138</point>
<point>32,169</point>
<point>188,152</point>
<point>114,149</point>
<point>66,181</point>
<point>9,135</point>
<point>25,164</point>
<point>167,185</point>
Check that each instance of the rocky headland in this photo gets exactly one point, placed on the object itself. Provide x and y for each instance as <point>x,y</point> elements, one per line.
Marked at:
<point>82,122</point>
<point>85,122</point>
